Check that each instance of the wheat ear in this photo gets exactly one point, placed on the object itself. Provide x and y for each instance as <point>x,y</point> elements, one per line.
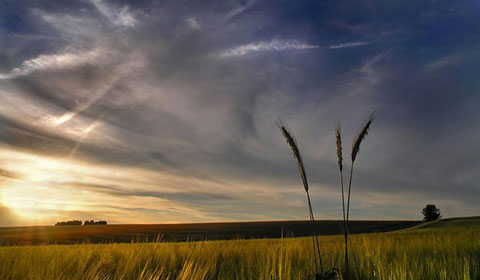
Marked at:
<point>296,153</point>
<point>355,149</point>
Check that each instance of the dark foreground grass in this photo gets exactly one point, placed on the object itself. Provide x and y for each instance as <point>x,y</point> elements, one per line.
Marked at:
<point>432,253</point>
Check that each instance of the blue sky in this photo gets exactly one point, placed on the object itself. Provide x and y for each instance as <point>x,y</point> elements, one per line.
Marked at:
<point>165,111</point>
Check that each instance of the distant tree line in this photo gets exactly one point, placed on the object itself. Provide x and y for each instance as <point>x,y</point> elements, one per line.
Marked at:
<point>69,223</point>
<point>92,222</point>
<point>79,223</point>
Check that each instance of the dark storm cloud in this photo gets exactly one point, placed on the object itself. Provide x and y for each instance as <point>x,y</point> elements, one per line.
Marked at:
<point>194,89</point>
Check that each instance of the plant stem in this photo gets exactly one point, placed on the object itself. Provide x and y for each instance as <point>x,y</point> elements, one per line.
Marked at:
<point>343,198</point>
<point>343,208</point>
<point>346,224</point>
<point>316,244</point>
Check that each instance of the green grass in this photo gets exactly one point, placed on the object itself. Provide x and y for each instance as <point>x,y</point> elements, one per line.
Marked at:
<point>450,222</point>
<point>428,253</point>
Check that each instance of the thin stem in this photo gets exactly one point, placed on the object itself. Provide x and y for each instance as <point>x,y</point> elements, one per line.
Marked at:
<point>315,268</point>
<point>346,224</point>
<point>343,208</point>
<point>343,198</point>
<point>314,228</point>
<point>349,189</point>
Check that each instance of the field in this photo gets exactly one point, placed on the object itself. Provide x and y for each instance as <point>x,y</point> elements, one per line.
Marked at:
<point>438,250</point>
<point>41,235</point>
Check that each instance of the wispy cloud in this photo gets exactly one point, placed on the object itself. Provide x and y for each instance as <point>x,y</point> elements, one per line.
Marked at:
<point>120,17</point>
<point>52,62</point>
<point>193,23</point>
<point>275,45</point>
<point>349,45</point>
<point>239,10</point>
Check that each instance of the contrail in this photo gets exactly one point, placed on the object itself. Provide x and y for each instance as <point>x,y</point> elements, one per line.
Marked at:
<point>87,131</point>
<point>93,100</point>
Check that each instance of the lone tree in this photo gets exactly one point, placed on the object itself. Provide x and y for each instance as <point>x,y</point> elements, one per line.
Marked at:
<point>431,213</point>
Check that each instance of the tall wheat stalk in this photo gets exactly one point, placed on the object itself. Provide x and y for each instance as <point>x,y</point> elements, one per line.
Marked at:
<point>355,149</point>
<point>301,169</point>
<point>338,136</point>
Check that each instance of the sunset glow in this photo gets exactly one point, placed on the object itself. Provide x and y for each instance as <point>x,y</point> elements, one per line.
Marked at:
<point>139,112</point>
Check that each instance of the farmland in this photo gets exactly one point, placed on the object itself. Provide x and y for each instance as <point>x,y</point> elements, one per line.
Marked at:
<point>448,249</point>
<point>184,232</point>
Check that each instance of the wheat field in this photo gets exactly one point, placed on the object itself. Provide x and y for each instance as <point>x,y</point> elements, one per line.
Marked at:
<point>434,253</point>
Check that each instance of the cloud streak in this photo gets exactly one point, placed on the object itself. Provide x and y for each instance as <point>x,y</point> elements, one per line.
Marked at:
<point>349,45</point>
<point>53,62</point>
<point>239,10</point>
<point>274,45</point>
<point>281,45</point>
<point>116,16</point>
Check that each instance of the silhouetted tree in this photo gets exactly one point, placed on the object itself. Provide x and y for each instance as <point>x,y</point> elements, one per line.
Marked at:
<point>69,223</point>
<point>92,222</point>
<point>431,213</point>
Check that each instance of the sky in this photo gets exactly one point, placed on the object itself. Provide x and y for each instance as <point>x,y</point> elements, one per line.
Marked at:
<point>165,111</point>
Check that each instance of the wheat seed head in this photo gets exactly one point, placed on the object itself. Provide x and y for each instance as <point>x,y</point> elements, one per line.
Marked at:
<point>338,134</point>
<point>296,152</point>
<point>361,135</point>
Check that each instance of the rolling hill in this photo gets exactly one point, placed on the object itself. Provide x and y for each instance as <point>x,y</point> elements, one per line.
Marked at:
<point>185,232</point>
